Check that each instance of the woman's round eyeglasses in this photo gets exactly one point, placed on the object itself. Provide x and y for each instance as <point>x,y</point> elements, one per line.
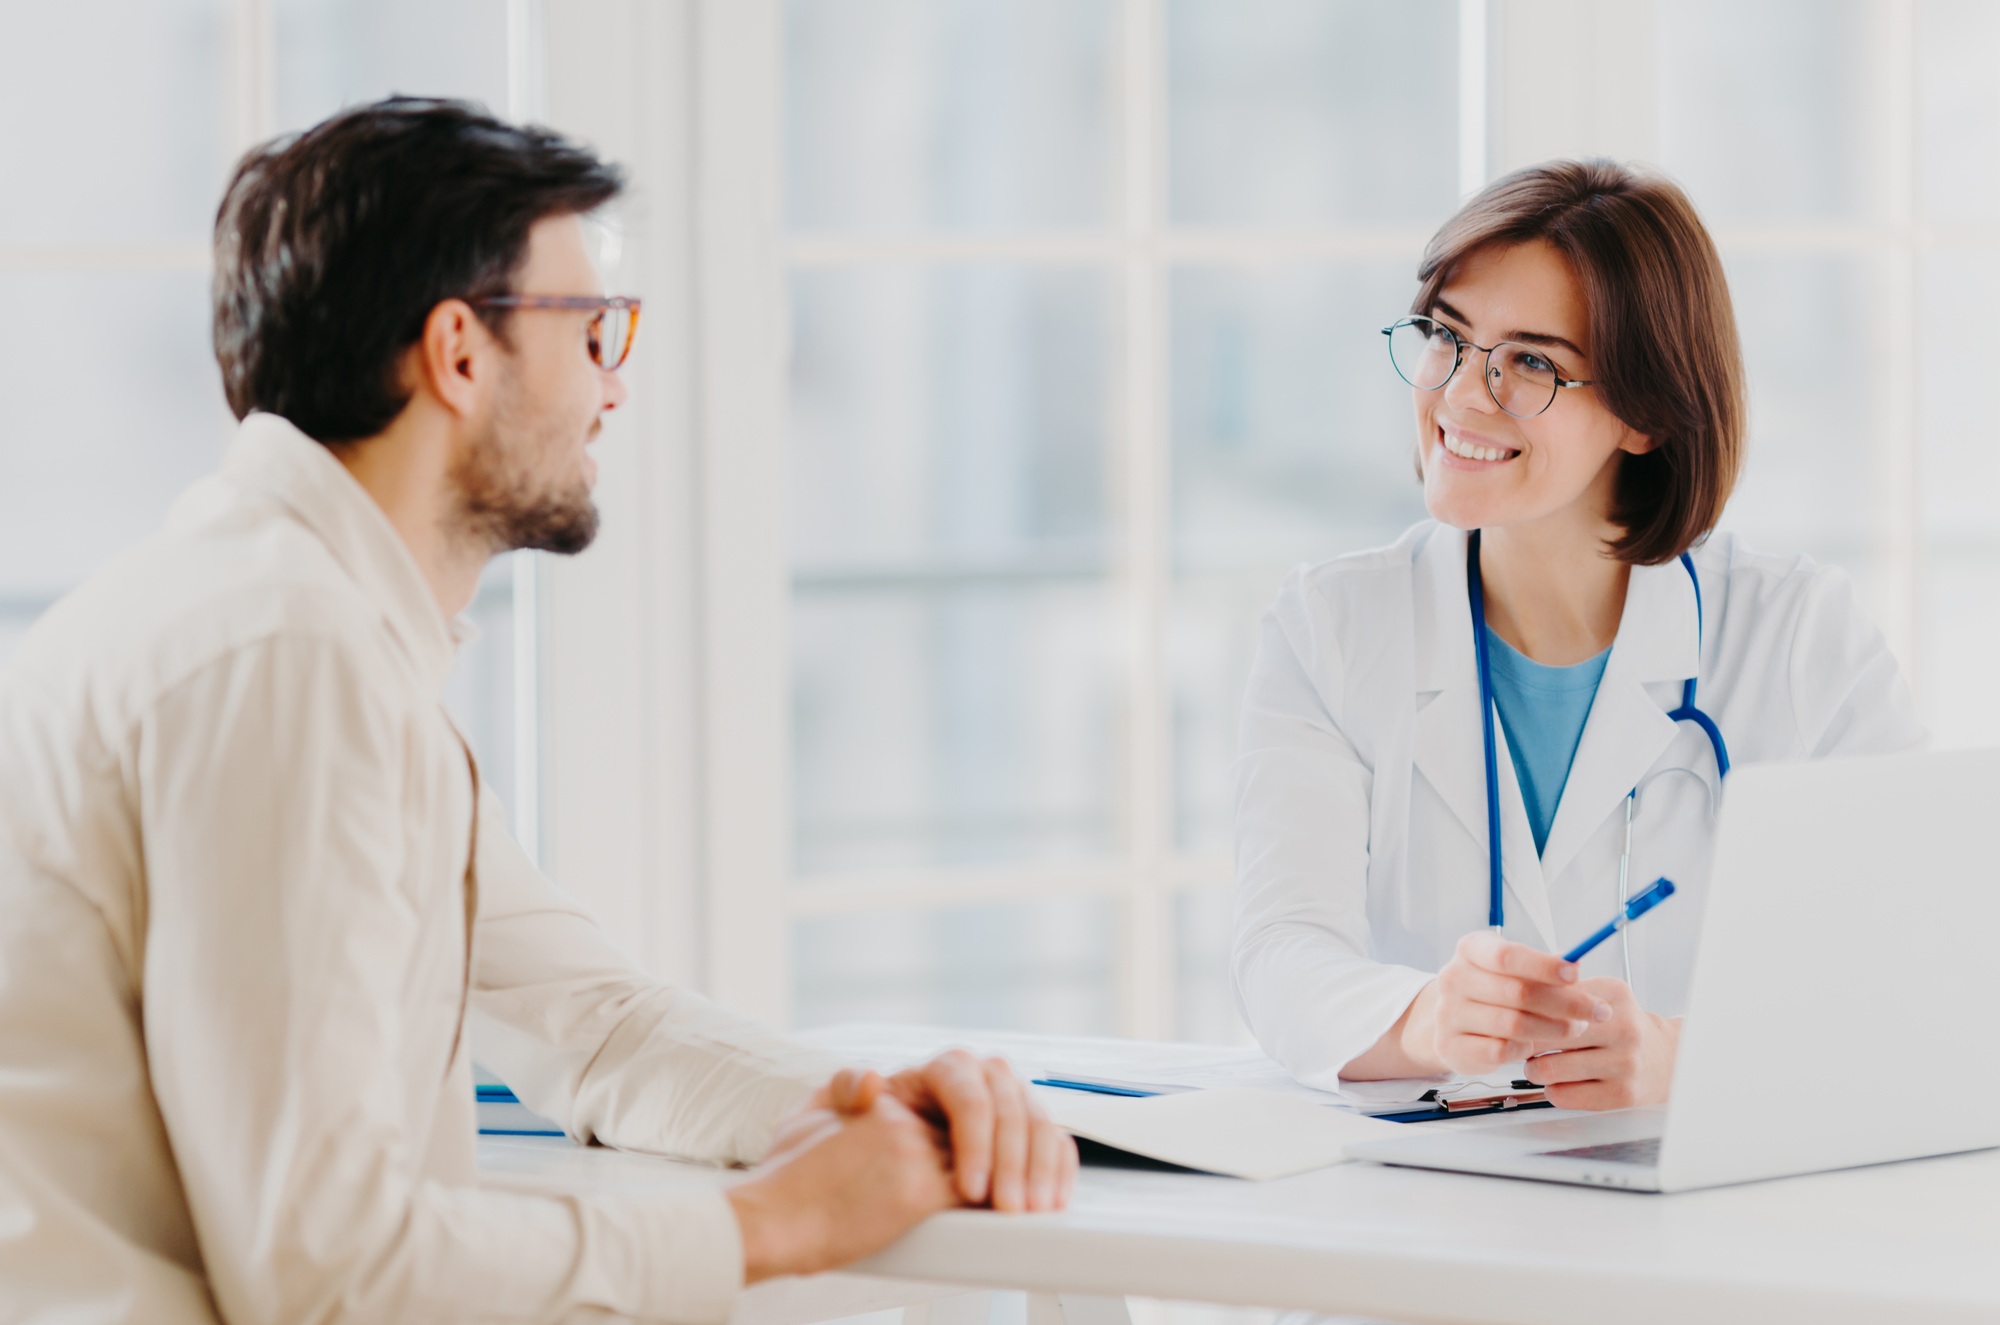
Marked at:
<point>1521,379</point>
<point>609,335</point>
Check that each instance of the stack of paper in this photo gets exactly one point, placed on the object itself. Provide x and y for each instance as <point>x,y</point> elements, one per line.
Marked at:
<point>1242,1132</point>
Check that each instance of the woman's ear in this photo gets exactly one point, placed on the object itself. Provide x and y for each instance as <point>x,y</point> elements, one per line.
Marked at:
<point>1636,443</point>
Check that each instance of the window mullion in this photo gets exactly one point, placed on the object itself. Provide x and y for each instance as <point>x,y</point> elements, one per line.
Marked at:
<point>1147,993</point>
<point>1904,516</point>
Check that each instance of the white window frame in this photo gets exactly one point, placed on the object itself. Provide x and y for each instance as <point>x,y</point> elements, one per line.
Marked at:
<point>743,365</point>
<point>654,670</point>
<point>1521,60</point>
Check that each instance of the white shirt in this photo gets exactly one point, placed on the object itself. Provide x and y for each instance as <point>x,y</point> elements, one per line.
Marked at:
<point>1361,842</point>
<point>250,891</point>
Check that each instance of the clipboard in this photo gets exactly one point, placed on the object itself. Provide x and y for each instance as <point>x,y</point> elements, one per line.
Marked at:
<point>1520,1094</point>
<point>1463,1100</point>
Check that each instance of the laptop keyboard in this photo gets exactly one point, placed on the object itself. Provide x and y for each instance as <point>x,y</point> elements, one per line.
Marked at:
<point>1643,1151</point>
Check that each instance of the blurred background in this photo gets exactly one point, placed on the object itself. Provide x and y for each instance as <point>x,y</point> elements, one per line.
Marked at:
<point>1001,356</point>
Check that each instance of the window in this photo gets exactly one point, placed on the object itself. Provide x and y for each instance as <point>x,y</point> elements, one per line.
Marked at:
<point>1001,356</point>
<point>110,402</point>
<point>1082,310</point>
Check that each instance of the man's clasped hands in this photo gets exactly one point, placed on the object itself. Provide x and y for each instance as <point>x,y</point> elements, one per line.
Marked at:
<point>868,1156</point>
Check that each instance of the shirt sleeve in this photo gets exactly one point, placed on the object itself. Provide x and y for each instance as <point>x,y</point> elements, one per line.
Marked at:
<point>1304,981</point>
<point>279,936</point>
<point>1848,695</point>
<point>589,1040</point>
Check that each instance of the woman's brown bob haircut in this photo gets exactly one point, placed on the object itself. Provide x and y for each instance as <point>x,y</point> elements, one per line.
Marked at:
<point>1662,333</point>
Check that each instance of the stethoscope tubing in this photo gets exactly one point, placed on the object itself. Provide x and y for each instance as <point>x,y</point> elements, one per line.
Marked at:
<point>1689,711</point>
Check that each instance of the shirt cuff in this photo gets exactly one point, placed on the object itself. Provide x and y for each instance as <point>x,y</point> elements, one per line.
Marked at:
<point>682,1253</point>
<point>1365,1016</point>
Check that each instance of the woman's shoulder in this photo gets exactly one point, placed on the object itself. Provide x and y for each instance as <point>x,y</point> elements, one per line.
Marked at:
<point>1760,582</point>
<point>1334,583</point>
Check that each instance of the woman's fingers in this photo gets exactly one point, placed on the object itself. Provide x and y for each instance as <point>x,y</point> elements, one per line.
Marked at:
<point>1489,951</point>
<point>1507,1023</point>
<point>1545,1011</point>
<point>1492,970</point>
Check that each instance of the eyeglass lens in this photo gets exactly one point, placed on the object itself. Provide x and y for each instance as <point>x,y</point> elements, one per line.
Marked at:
<point>610,335</point>
<point>1427,353</point>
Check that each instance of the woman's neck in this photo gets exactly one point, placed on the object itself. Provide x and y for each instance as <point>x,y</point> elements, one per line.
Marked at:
<point>1551,590</point>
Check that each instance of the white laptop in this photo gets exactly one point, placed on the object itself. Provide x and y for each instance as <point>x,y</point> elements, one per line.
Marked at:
<point>1847,966</point>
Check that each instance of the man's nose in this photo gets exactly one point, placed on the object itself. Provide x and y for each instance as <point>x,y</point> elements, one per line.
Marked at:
<point>615,391</point>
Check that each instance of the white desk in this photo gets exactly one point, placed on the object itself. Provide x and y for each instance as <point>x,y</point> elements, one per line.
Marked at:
<point>1904,1243</point>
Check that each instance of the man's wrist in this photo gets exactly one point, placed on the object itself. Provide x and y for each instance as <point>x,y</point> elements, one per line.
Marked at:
<point>767,1235</point>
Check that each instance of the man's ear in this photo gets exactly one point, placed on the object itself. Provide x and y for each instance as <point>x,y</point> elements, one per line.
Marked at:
<point>449,358</point>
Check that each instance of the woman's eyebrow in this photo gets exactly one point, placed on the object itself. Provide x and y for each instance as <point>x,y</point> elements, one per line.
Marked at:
<point>1542,338</point>
<point>1524,337</point>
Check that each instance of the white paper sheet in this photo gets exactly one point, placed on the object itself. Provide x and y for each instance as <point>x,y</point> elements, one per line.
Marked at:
<point>1239,1131</point>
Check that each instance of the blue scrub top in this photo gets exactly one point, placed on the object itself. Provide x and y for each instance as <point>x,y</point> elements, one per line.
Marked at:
<point>1542,710</point>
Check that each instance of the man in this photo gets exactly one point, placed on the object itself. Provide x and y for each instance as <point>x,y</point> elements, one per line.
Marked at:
<point>255,905</point>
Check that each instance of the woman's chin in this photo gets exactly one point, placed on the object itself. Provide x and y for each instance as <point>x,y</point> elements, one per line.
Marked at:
<point>1457,509</point>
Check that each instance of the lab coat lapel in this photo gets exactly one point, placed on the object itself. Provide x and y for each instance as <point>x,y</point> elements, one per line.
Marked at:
<point>1522,869</point>
<point>1445,738</point>
<point>1627,730</point>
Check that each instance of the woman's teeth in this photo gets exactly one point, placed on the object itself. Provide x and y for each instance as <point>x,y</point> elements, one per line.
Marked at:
<point>1465,450</point>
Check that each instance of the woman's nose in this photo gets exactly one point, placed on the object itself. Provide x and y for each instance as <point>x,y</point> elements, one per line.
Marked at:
<point>1467,387</point>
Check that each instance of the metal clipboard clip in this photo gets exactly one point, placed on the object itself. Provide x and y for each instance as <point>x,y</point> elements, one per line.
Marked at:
<point>1520,1095</point>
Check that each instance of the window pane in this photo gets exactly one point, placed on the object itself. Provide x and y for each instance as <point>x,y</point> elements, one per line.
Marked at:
<point>1212,635</point>
<point>957,413</point>
<point>480,694</point>
<point>953,699</point>
<point>1814,343</point>
<point>1960,639</point>
<point>1292,434</point>
<point>119,118</point>
<point>1033,966</point>
<point>1958,473</point>
<point>1958,468</point>
<point>87,472</point>
<point>910,114</point>
<point>1295,112</point>
<point>1292,442</point>
<point>1204,1000</point>
<point>1775,111</point>
<point>334,53</point>
<point>1958,110</point>
<point>951,724</point>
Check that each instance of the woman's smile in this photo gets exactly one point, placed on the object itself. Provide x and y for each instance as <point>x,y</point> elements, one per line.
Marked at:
<point>1472,450</point>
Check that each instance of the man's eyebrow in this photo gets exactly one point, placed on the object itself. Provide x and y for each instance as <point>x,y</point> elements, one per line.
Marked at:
<point>1524,337</point>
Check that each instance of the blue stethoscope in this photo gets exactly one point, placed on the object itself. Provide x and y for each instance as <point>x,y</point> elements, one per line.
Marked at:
<point>1496,914</point>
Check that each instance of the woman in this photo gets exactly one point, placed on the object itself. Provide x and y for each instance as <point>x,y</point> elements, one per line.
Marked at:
<point>1567,469</point>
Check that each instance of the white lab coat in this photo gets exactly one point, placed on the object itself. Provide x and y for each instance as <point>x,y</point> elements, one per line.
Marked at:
<point>1361,855</point>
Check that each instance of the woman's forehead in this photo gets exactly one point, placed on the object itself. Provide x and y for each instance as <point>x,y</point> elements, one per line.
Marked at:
<point>1523,292</point>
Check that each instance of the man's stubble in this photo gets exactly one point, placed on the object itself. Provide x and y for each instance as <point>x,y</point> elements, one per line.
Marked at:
<point>503,503</point>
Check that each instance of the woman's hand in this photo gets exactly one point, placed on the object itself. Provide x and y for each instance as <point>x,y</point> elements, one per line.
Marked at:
<point>1621,1062</point>
<point>1496,1002</point>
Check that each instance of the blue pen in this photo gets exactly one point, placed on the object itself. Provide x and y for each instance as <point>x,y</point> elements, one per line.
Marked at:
<point>1661,890</point>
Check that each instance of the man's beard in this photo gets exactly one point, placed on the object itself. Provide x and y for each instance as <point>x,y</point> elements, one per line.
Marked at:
<point>499,501</point>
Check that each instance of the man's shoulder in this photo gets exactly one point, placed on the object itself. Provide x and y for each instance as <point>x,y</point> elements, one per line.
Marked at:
<point>240,574</point>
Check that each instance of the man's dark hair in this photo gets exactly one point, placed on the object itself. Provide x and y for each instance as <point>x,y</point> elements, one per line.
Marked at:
<point>333,246</point>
